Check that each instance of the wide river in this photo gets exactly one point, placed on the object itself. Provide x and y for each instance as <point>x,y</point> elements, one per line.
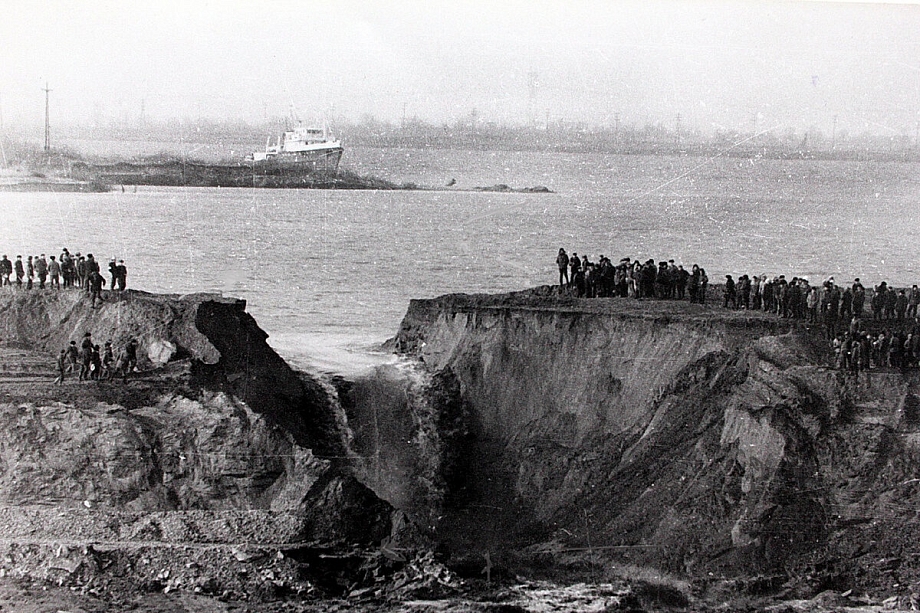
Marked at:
<point>329,274</point>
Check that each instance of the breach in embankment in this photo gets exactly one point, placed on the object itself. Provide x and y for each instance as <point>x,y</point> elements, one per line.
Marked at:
<point>526,432</point>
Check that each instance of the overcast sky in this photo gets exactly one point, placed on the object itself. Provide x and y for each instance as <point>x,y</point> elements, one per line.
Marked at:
<point>718,64</point>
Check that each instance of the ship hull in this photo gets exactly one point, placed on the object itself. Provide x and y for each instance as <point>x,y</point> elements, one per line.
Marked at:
<point>317,161</point>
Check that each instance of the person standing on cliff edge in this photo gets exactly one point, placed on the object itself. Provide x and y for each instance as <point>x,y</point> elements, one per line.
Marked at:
<point>575,264</point>
<point>6,269</point>
<point>95,283</point>
<point>562,261</point>
<point>728,293</point>
<point>54,271</point>
<point>122,276</point>
<point>113,270</point>
<point>20,271</point>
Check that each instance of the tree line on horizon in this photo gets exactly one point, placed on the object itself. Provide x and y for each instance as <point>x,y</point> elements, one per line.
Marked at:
<point>471,132</point>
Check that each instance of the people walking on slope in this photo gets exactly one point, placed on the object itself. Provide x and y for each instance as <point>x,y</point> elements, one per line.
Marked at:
<point>95,283</point>
<point>95,364</point>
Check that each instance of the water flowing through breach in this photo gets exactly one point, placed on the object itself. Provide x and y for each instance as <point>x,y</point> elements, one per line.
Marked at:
<point>405,426</point>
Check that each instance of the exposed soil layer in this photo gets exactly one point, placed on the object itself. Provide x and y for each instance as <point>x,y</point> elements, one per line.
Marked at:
<point>713,444</point>
<point>636,455</point>
<point>212,468</point>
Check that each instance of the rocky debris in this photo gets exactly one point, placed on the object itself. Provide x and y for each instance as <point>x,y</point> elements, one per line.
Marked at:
<point>252,371</point>
<point>211,451</point>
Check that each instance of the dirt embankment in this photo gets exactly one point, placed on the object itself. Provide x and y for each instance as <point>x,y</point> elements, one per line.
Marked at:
<point>182,173</point>
<point>707,443</point>
<point>213,452</point>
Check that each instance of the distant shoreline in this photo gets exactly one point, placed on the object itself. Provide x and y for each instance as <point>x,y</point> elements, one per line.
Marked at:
<point>61,172</point>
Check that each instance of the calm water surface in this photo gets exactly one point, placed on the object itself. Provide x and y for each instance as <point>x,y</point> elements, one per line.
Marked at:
<point>329,274</point>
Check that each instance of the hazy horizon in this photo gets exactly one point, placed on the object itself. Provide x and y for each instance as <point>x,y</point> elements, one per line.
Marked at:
<point>719,65</point>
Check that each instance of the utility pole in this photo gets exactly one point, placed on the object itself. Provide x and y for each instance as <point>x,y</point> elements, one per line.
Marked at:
<point>47,120</point>
<point>834,135</point>
<point>616,130</point>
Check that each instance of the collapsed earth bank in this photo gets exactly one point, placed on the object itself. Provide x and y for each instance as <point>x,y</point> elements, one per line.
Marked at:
<point>213,457</point>
<point>704,442</point>
<point>519,432</point>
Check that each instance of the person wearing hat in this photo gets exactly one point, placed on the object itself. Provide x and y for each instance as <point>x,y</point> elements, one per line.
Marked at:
<point>73,357</point>
<point>122,275</point>
<point>562,261</point>
<point>86,356</point>
<point>728,293</point>
<point>113,270</point>
<point>108,360</point>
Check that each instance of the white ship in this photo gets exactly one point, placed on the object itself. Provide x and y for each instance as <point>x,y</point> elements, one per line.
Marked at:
<point>300,149</point>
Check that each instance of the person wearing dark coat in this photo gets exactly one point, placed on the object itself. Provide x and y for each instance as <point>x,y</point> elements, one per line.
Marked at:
<point>728,293</point>
<point>20,271</point>
<point>6,269</point>
<point>95,283</point>
<point>122,276</point>
<point>562,261</point>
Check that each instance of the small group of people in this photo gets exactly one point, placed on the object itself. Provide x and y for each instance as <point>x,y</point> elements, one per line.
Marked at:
<point>64,271</point>
<point>857,350</point>
<point>90,363</point>
<point>630,278</point>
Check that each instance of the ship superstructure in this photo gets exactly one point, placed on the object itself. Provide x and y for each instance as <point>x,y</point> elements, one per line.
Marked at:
<point>303,148</point>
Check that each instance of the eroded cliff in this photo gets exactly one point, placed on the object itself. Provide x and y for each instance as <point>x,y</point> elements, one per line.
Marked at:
<point>692,439</point>
<point>213,445</point>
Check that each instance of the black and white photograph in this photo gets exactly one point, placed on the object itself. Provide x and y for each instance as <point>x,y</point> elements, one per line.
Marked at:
<point>458,306</point>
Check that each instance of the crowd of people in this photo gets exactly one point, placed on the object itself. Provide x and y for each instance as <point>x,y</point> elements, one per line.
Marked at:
<point>841,309</point>
<point>630,278</point>
<point>62,272</point>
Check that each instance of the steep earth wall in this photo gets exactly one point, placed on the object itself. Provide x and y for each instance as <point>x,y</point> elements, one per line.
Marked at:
<point>699,440</point>
<point>214,420</point>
